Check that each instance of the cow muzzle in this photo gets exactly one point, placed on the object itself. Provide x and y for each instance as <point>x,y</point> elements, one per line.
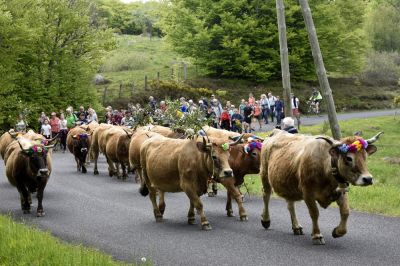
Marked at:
<point>227,173</point>
<point>364,181</point>
<point>43,173</point>
<point>84,150</point>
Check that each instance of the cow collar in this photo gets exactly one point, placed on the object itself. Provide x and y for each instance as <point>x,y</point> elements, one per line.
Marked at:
<point>343,184</point>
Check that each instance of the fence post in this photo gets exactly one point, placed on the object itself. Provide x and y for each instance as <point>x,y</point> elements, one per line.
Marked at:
<point>104,95</point>
<point>120,90</point>
<point>158,79</point>
<point>133,89</point>
<point>145,83</point>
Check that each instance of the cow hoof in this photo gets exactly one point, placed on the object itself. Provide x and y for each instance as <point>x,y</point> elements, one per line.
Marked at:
<point>159,219</point>
<point>266,224</point>
<point>244,218</point>
<point>229,213</point>
<point>84,170</point>
<point>215,192</point>
<point>40,214</point>
<point>95,172</point>
<point>206,227</point>
<point>26,211</point>
<point>211,194</point>
<point>191,221</point>
<point>336,234</point>
<point>319,240</point>
<point>298,231</point>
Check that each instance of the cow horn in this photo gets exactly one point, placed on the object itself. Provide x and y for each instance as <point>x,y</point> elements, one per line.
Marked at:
<point>374,138</point>
<point>332,143</point>
<point>257,137</point>
<point>236,141</point>
<point>12,133</point>
<point>128,133</point>
<point>50,140</point>
<point>50,146</point>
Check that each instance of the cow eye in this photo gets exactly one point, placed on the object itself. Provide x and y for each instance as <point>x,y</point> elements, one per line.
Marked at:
<point>349,159</point>
<point>214,157</point>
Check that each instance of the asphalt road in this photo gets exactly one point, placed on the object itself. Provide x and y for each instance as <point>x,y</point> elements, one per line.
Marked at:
<point>111,215</point>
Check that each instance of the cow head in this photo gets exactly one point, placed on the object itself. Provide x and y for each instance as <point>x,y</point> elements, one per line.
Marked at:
<point>37,153</point>
<point>351,157</point>
<point>218,152</point>
<point>81,143</point>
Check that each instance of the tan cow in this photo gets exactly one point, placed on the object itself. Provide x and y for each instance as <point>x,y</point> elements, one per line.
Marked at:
<point>176,165</point>
<point>222,133</point>
<point>5,140</point>
<point>28,168</point>
<point>136,142</point>
<point>117,149</point>
<point>96,144</point>
<point>313,169</point>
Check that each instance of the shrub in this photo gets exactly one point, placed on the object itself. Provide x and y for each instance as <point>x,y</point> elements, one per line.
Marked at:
<point>397,101</point>
<point>125,62</point>
<point>381,68</point>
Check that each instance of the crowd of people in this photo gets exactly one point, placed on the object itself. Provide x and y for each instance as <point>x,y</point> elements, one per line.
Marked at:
<point>244,118</point>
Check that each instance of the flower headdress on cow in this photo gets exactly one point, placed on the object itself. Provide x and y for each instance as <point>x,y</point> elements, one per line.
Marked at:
<point>354,147</point>
<point>253,143</point>
<point>81,136</point>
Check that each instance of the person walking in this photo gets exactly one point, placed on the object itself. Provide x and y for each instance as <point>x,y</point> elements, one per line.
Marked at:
<point>71,118</point>
<point>288,125</point>
<point>21,124</point>
<point>46,129</point>
<point>54,123</point>
<point>237,121</point>
<point>279,110</point>
<point>248,113</point>
<point>92,117</point>
<point>62,125</point>
<point>225,120</point>
<point>265,107</point>
<point>257,113</point>
<point>242,106</point>
<point>295,107</point>
<point>271,100</point>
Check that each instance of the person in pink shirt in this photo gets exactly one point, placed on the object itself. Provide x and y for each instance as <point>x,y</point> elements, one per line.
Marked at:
<point>251,100</point>
<point>55,124</point>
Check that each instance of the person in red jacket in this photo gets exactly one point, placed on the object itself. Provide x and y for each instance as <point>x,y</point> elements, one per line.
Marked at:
<point>225,120</point>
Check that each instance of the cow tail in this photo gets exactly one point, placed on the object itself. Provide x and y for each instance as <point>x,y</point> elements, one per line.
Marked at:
<point>144,190</point>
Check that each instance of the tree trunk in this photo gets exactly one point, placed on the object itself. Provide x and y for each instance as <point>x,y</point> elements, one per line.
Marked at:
<point>320,69</point>
<point>280,10</point>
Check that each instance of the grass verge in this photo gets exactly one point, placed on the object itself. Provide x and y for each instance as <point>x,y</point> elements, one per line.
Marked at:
<point>384,196</point>
<point>21,245</point>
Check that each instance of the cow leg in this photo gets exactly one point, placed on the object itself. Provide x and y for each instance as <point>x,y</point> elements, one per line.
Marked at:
<point>229,210</point>
<point>297,229</point>
<point>161,202</point>
<point>95,158</point>
<point>24,196</point>
<point>153,198</point>
<point>195,199</point>
<point>78,164</point>
<point>344,209</point>
<point>229,184</point>
<point>265,219</point>
<point>215,188</point>
<point>83,167</point>
<point>317,237</point>
<point>40,211</point>
<point>111,168</point>
<point>124,171</point>
<point>118,172</point>
<point>210,191</point>
<point>191,215</point>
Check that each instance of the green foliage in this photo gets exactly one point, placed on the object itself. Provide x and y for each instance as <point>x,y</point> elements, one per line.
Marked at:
<point>50,50</point>
<point>396,101</point>
<point>21,245</point>
<point>381,68</point>
<point>239,38</point>
<point>174,90</point>
<point>133,18</point>
<point>383,23</point>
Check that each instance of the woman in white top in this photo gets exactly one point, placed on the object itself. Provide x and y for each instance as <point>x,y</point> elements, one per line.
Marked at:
<point>46,129</point>
<point>63,132</point>
<point>92,115</point>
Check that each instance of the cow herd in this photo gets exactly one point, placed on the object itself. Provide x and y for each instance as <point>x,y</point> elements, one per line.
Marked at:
<point>296,167</point>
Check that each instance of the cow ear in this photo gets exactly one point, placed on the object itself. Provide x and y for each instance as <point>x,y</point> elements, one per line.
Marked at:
<point>201,146</point>
<point>334,152</point>
<point>371,149</point>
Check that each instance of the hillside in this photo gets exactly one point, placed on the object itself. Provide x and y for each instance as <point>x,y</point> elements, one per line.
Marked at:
<point>135,57</point>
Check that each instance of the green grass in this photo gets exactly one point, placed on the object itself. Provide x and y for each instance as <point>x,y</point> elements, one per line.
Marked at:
<point>22,245</point>
<point>384,196</point>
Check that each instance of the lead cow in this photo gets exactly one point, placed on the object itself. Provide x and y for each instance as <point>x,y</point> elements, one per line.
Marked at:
<point>28,168</point>
<point>175,165</point>
<point>313,169</point>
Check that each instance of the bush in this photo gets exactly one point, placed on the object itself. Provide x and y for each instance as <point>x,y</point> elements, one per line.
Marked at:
<point>397,101</point>
<point>125,62</point>
<point>381,68</point>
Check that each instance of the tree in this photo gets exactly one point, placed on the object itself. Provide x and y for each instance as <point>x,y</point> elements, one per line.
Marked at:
<point>58,48</point>
<point>239,38</point>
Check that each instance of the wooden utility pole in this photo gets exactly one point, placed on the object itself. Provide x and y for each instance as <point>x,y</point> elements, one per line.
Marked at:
<point>320,69</point>
<point>280,10</point>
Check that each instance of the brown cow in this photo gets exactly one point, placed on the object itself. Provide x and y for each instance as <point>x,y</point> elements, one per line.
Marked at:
<point>117,150</point>
<point>78,144</point>
<point>176,165</point>
<point>313,169</point>
<point>96,144</point>
<point>28,168</point>
<point>5,140</point>
<point>136,142</point>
